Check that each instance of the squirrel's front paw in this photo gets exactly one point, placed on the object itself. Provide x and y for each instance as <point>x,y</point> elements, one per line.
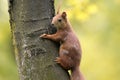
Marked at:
<point>57,60</point>
<point>43,35</point>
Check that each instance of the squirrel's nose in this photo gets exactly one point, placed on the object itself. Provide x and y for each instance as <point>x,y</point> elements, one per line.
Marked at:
<point>52,24</point>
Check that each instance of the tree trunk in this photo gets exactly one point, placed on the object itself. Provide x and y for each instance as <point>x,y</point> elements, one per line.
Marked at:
<point>35,56</point>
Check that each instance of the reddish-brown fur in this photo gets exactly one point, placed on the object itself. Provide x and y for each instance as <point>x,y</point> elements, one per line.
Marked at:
<point>70,50</point>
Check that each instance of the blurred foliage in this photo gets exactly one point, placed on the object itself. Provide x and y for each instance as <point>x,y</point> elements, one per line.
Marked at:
<point>96,23</point>
<point>8,68</point>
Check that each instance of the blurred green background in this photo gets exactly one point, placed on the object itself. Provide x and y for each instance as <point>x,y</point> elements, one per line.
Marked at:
<point>96,23</point>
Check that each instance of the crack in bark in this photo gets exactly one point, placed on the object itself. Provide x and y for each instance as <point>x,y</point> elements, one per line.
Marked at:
<point>35,20</point>
<point>36,33</point>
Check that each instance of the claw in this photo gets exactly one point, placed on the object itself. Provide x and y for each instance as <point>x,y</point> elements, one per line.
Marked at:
<point>57,60</point>
<point>43,35</point>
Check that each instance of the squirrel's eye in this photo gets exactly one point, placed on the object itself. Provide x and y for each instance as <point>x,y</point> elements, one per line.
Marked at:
<point>59,20</point>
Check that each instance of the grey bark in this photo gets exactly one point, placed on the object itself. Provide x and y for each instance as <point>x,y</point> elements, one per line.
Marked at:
<point>35,56</point>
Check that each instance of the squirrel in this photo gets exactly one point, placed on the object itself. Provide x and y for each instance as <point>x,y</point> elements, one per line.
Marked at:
<point>70,50</point>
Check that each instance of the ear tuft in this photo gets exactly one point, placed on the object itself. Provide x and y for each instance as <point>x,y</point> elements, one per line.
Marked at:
<point>64,15</point>
<point>57,12</point>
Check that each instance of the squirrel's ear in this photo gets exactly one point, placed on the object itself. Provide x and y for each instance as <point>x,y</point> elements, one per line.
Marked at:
<point>64,15</point>
<point>58,12</point>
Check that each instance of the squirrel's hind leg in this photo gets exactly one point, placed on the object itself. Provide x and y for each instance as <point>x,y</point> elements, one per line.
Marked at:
<point>65,61</point>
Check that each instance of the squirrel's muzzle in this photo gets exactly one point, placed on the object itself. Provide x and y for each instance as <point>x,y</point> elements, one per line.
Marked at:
<point>52,24</point>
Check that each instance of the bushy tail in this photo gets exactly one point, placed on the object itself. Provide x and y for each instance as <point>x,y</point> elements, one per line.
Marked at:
<point>76,74</point>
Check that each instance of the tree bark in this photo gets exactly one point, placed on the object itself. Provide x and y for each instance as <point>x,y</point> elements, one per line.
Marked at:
<point>35,56</point>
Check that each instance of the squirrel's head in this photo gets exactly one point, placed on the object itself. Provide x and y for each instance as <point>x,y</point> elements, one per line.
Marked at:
<point>59,20</point>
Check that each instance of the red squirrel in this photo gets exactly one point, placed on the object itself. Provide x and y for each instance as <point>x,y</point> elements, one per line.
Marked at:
<point>70,51</point>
